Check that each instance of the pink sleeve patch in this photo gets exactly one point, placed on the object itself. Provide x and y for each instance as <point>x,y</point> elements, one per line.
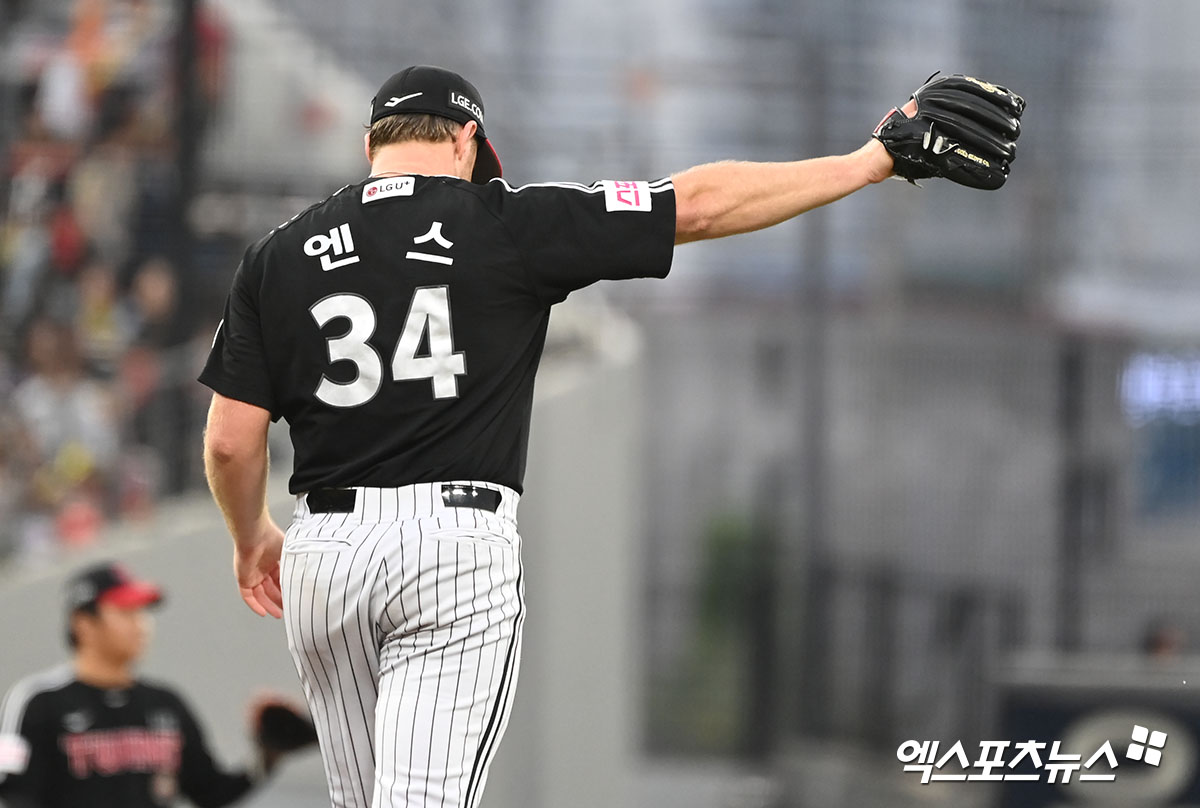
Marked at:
<point>626,195</point>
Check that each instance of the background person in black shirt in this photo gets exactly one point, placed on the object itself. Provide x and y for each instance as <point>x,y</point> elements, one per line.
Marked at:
<point>90,734</point>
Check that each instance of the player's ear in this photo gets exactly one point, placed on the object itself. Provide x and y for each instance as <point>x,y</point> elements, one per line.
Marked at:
<point>462,143</point>
<point>367,145</point>
<point>79,625</point>
<point>464,149</point>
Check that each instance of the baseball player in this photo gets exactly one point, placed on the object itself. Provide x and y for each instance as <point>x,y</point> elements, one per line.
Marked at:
<point>92,734</point>
<point>397,327</point>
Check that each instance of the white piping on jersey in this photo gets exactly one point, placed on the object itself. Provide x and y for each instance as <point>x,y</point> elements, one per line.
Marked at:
<point>595,188</point>
<point>18,698</point>
<point>573,186</point>
<point>663,184</point>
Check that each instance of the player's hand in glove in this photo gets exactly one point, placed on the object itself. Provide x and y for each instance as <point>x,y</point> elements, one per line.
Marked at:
<point>956,127</point>
<point>279,727</point>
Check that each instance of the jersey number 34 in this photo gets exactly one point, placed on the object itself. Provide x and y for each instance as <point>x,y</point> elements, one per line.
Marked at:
<point>429,313</point>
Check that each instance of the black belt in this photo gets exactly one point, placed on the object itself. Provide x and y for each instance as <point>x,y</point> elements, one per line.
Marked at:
<point>342,500</point>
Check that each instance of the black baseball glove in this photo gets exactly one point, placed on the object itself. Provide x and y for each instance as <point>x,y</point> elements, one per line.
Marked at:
<point>279,727</point>
<point>964,130</point>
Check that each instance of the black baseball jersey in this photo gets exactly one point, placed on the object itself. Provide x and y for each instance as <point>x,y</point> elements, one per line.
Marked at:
<point>66,744</point>
<point>397,325</point>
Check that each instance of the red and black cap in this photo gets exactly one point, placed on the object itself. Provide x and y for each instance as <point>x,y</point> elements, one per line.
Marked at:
<point>111,584</point>
<point>437,91</point>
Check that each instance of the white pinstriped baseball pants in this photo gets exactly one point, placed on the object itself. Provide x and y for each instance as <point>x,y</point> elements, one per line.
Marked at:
<point>404,620</point>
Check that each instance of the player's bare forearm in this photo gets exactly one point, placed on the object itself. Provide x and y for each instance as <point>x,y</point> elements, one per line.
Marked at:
<point>723,199</point>
<point>236,464</point>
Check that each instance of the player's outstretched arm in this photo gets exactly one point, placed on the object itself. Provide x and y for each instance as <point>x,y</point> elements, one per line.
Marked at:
<point>723,199</point>
<point>955,126</point>
<point>236,463</point>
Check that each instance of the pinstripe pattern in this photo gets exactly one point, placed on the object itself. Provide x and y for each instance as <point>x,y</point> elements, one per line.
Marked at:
<point>404,621</point>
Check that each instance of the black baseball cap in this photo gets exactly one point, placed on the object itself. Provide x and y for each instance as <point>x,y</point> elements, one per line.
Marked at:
<point>437,91</point>
<point>110,583</point>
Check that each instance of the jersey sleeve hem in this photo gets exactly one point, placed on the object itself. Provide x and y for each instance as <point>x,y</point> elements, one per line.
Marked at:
<point>243,394</point>
<point>666,186</point>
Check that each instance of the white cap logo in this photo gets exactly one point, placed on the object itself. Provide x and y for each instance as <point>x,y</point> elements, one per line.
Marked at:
<point>395,102</point>
<point>460,100</point>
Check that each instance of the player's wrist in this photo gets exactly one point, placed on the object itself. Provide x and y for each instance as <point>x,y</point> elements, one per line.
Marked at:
<point>872,162</point>
<point>256,534</point>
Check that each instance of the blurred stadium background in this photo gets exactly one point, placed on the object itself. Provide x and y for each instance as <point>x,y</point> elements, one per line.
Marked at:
<point>918,466</point>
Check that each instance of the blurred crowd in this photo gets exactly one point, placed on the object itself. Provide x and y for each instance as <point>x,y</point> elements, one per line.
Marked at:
<point>99,348</point>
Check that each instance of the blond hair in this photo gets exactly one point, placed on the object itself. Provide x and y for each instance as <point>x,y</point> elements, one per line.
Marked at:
<point>409,126</point>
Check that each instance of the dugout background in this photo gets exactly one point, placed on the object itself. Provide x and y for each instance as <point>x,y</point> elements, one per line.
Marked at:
<point>879,451</point>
